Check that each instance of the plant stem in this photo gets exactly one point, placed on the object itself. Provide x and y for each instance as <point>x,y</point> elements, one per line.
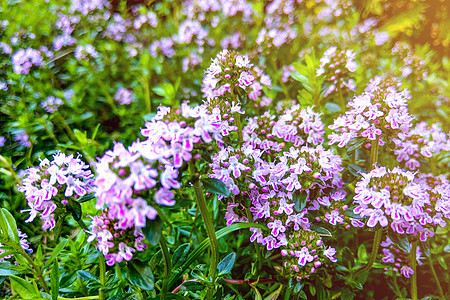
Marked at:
<point>436,278</point>
<point>37,270</point>
<point>373,254</point>
<point>237,118</point>
<point>148,102</point>
<point>163,217</point>
<point>414,267</point>
<point>373,154</point>
<point>379,232</point>
<point>257,250</point>
<point>102,266</point>
<point>211,235</point>
<point>167,266</point>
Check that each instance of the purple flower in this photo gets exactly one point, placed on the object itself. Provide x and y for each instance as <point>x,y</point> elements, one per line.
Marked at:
<point>51,104</point>
<point>123,96</point>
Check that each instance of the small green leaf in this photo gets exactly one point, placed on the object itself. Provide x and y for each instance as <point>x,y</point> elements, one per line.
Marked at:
<point>362,253</point>
<point>333,107</point>
<point>22,287</point>
<point>54,280</point>
<point>442,262</point>
<point>298,287</point>
<point>81,136</point>
<point>192,286</point>
<point>75,208</point>
<point>140,275</point>
<point>225,265</point>
<point>56,252</point>
<point>356,170</point>
<point>152,231</point>
<point>320,230</point>
<point>179,256</point>
<point>355,143</point>
<point>85,198</point>
<point>215,186</point>
<point>299,201</point>
<point>10,225</point>
<point>85,275</point>
<point>349,213</point>
<point>7,269</point>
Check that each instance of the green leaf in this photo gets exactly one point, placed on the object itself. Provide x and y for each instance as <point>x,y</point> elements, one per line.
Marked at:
<point>215,186</point>
<point>54,280</point>
<point>192,286</point>
<point>85,275</point>
<point>7,269</point>
<point>349,213</point>
<point>140,275</point>
<point>362,253</point>
<point>81,136</point>
<point>442,262</point>
<point>152,231</point>
<point>299,201</point>
<point>75,208</point>
<point>333,107</point>
<point>201,248</point>
<point>320,230</point>
<point>298,287</point>
<point>85,198</point>
<point>56,252</point>
<point>22,287</point>
<point>8,225</point>
<point>355,143</point>
<point>226,264</point>
<point>179,256</point>
<point>356,170</point>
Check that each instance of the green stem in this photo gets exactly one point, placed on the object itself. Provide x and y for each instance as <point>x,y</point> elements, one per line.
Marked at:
<point>50,133</point>
<point>66,126</point>
<point>257,250</point>
<point>211,235</point>
<point>374,154</point>
<point>436,278</point>
<point>148,102</point>
<point>163,217</point>
<point>102,266</point>
<point>379,232</point>
<point>414,267</point>
<point>37,270</point>
<point>237,119</point>
<point>167,266</point>
<point>373,254</point>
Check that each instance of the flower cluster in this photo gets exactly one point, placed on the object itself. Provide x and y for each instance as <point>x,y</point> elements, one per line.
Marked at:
<point>51,104</point>
<point>24,59</point>
<point>413,64</point>
<point>129,177</point>
<point>305,253</point>
<point>397,199</point>
<point>337,67</point>
<point>123,96</point>
<point>116,244</point>
<point>380,112</point>
<point>53,184</point>
<point>397,259</point>
<point>232,73</point>
<point>421,142</point>
<point>85,52</point>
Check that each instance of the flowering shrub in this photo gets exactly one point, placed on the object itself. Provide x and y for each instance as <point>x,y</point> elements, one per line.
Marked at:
<point>224,150</point>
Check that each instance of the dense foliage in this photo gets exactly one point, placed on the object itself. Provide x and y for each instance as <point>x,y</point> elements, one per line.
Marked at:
<point>224,149</point>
